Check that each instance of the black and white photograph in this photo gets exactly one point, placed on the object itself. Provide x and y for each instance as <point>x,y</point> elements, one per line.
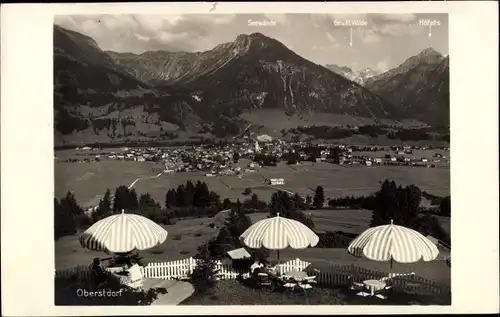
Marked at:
<point>252,159</point>
<point>255,158</point>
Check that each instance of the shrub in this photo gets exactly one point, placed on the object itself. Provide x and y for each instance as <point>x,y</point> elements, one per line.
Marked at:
<point>204,276</point>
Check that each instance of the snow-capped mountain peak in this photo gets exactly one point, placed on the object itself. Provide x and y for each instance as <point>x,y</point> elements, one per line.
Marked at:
<point>359,77</point>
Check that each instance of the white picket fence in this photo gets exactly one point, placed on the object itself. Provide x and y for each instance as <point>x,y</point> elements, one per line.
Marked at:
<point>182,268</point>
<point>169,270</point>
<point>331,275</point>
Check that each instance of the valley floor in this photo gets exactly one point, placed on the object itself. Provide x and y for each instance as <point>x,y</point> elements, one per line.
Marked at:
<point>89,181</point>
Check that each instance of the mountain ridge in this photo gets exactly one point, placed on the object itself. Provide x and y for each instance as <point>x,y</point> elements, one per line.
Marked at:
<point>251,56</point>
<point>95,99</point>
<point>419,87</point>
<point>104,95</point>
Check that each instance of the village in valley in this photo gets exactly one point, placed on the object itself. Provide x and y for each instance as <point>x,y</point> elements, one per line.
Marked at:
<point>226,159</point>
<point>217,159</point>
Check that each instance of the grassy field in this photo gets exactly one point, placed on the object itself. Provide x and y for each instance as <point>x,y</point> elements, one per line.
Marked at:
<point>340,180</point>
<point>89,180</point>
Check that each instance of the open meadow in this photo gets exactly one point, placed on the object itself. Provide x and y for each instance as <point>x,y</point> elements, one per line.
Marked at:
<point>89,181</point>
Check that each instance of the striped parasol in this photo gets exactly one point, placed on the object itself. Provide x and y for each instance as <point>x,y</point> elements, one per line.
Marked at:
<point>123,233</point>
<point>279,233</point>
<point>393,243</point>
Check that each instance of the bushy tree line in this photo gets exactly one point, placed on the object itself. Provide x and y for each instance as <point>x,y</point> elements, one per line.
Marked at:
<point>401,204</point>
<point>254,204</point>
<point>290,207</point>
<point>352,202</point>
<point>69,216</point>
<point>189,200</point>
<point>331,133</point>
<point>326,132</point>
<point>190,195</point>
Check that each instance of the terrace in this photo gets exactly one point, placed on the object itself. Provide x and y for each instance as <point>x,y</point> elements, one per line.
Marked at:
<point>235,288</point>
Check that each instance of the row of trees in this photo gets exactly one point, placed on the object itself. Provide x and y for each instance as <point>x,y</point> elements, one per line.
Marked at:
<point>401,205</point>
<point>290,207</point>
<point>125,199</point>
<point>186,201</point>
<point>329,132</point>
<point>191,195</point>
<point>69,216</point>
<point>352,202</point>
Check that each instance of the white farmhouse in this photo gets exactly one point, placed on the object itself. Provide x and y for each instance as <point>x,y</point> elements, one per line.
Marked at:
<point>276,181</point>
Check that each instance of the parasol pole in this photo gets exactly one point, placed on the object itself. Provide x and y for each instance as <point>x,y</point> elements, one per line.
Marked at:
<point>392,260</point>
<point>390,270</point>
<point>278,251</point>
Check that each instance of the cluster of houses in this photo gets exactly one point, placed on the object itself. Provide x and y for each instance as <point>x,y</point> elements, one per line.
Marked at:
<point>394,160</point>
<point>221,160</point>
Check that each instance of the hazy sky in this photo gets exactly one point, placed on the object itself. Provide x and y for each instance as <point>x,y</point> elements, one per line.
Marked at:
<point>384,43</point>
